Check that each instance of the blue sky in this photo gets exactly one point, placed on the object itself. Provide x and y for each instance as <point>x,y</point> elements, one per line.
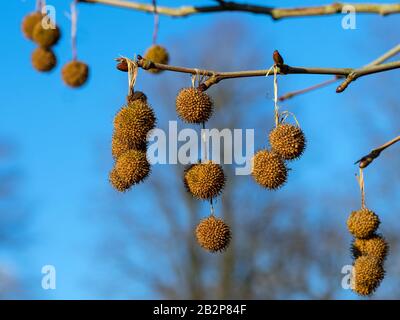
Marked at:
<point>62,135</point>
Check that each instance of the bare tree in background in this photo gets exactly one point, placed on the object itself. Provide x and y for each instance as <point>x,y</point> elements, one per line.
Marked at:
<point>13,221</point>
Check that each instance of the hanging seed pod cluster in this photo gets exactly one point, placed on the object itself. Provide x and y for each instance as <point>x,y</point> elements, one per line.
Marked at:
<point>287,142</point>
<point>206,179</point>
<point>40,29</point>
<point>132,123</point>
<point>369,249</point>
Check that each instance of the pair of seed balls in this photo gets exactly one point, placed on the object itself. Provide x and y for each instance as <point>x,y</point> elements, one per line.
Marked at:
<point>205,181</point>
<point>268,166</point>
<point>74,73</point>
<point>131,126</point>
<point>369,250</point>
<point>33,27</point>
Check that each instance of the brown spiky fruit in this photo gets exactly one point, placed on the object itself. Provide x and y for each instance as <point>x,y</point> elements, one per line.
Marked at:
<point>363,223</point>
<point>288,141</point>
<point>194,105</point>
<point>116,182</point>
<point>268,169</point>
<point>132,167</point>
<point>43,60</point>
<point>46,37</point>
<point>157,54</point>
<point>375,246</point>
<point>75,73</point>
<point>367,274</point>
<point>132,124</point>
<point>29,22</point>
<point>121,144</point>
<point>213,234</point>
<point>204,180</point>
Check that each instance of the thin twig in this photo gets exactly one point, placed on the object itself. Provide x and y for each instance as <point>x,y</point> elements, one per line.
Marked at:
<point>217,76</point>
<point>364,71</point>
<point>367,160</point>
<point>291,94</point>
<point>387,55</point>
<point>351,77</point>
<point>275,13</point>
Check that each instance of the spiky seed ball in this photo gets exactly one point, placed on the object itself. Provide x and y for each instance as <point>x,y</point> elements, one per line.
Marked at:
<point>116,182</point>
<point>157,54</point>
<point>29,22</point>
<point>43,60</point>
<point>213,234</point>
<point>46,37</point>
<point>288,141</point>
<point>375,246</point>
<point>204,180</point>
<point>132,167</point>
<point>75,73</point>
<point>362,223</point>
<point>194,105</point>
<point>133,122</point>
<point>367,274</point>
<point>121,144</point>
<point>269,170</point>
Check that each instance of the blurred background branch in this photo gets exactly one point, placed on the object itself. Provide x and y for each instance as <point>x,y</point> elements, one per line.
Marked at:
<point>275,13</point>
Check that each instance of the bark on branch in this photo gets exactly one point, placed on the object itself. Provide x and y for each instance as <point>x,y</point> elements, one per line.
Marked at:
<point>275,13</point>
<point>217,76</point>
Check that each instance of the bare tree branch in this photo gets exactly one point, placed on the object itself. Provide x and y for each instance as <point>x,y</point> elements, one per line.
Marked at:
<point>275,13</point>
<point>217,76</point>
<point>351,77</point>
<point>367,160</point>
<point>386,56</point>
